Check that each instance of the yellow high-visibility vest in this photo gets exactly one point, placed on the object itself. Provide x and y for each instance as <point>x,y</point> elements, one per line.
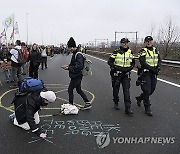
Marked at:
<point>123,60</point>
<point>151,56</point>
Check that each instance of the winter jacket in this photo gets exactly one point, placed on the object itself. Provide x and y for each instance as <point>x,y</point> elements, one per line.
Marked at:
<point>34,58</point>
<point>25,113</point>
<point>115,68</point>
<point>76,65</point>
<point>144,65</point>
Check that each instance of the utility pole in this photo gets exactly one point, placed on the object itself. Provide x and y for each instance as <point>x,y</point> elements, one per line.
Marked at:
<point>136,36</point>
<point>27,27</point>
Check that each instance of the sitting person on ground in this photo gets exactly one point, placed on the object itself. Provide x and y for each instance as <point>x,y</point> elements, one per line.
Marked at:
<point>26,110</point>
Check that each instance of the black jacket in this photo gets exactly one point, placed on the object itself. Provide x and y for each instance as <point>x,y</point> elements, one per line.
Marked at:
<point>114,68</point>
<point>26,111</point>
<point>34,58</point>
<point>76,65</point>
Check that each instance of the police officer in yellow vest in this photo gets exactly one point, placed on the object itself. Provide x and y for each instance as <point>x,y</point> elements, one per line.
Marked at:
<point>121,63</point>
<point>150,66</point>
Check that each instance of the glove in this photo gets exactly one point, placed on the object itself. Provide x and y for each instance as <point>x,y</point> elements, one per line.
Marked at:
<point>42,135</point>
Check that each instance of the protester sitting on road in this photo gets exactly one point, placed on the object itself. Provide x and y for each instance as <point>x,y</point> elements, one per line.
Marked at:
<point>26,113</point>
<point>75,73</point>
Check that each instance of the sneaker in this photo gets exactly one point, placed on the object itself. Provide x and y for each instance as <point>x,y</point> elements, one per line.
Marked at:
<point>87,106</point>
<point>128,111</point>
<point>148,111</point>
<point>12,117</point>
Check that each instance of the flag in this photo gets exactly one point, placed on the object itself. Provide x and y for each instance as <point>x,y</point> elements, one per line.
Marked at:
<point>9,22</point>
<point>16,29</point>
<point>12,34</point>
<point>3,33</point>
<point>3,36</point>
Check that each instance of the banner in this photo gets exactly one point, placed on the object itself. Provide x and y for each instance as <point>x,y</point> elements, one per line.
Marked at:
<point>3,37</point>
<point>16,29</point>
<point>9,22</point>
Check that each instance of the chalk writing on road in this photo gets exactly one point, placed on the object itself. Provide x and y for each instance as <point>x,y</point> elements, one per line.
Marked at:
<point>76,127</point>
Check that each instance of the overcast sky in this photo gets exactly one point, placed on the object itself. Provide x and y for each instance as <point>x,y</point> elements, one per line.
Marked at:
<point>55,21</point>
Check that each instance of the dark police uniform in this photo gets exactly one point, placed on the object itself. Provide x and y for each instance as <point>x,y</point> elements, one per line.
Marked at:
<point>121,63</point>
<point>150,65</point>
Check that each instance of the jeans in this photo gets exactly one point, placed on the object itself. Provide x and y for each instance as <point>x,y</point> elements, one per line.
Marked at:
<point>76,83</point>
<point>16,74</point>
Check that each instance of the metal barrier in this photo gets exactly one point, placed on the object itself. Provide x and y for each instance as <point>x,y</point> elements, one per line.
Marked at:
<point>164,62</point>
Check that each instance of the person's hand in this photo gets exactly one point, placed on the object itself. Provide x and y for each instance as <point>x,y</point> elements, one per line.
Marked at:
<point>65,67</point>
<point>43,135</point>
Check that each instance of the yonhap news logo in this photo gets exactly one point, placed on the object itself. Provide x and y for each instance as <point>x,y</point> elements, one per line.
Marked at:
<point>103,140</point>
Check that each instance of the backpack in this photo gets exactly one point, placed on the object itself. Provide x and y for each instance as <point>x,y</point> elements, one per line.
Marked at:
<point>20,102</point>
<point>21,58</point>
<point>29,84</point>
<point>87,65</point>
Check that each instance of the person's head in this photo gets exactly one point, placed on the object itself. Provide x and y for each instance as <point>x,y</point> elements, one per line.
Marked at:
<point>124,42</point>
<point>18,42</point>
<point>23,44</point>
<point>71,44</point>
<point>148,41</point>
<point>34,46</point>
<point>11,46</point>
<point>48,97</point>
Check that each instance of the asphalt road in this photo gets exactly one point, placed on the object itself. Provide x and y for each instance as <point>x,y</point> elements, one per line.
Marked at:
<point>72,134</point>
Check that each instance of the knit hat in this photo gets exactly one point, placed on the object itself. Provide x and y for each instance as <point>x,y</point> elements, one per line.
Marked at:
<point>71,43</point>
<point>49,95</point>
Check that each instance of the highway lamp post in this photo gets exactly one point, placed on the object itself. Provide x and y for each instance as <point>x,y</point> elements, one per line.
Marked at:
<point>27,27</point>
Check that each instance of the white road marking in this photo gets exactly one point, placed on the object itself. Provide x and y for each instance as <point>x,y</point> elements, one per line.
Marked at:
<point>162,80</point>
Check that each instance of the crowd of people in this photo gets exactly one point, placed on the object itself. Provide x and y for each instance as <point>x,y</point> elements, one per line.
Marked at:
<point>121,62</point>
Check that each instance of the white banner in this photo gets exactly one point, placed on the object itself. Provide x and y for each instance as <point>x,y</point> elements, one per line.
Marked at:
<point>9,22</point>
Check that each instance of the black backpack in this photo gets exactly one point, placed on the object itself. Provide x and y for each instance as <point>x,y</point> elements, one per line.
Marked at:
<point>20,104</point>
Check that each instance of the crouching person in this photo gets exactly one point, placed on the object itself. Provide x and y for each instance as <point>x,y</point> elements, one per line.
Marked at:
<point>26,110</point>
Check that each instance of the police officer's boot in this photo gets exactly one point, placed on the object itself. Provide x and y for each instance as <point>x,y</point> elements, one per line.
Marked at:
<point>148,111</point>
<point>128,111</point>
<point>138,99</point>
<point>116,106</point>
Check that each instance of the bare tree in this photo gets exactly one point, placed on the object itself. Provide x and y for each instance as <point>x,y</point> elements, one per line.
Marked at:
<point>168,37</point>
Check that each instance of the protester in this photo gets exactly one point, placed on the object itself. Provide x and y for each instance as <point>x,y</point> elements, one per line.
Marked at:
<point>35,60</point>
<point>6,64</point>
<point>75,73</point>
<point>43,58</point>
<point>16,66</point>
<point>26,113</point>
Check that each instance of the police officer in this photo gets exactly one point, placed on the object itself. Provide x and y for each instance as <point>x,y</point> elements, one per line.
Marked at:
<point>150,66</point>
<point>121,63</point>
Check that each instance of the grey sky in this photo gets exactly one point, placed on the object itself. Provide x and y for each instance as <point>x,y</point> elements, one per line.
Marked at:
<point>86,20</point>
